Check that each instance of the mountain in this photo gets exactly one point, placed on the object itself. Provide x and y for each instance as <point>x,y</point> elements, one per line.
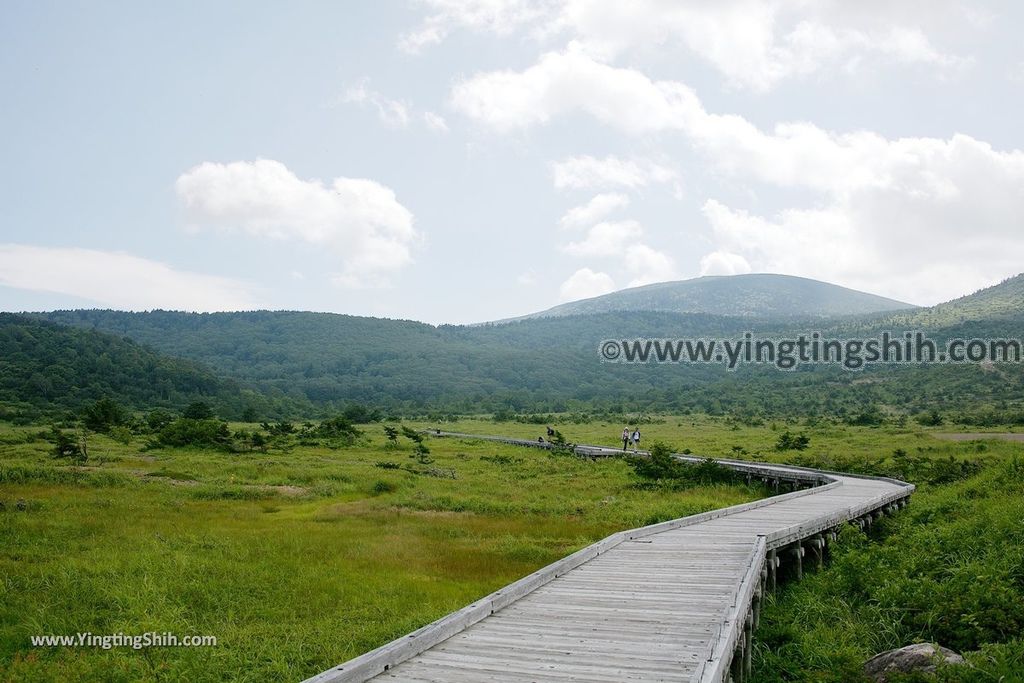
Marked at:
<point>760,295</point>
<point>1004,301</point>
<point>45,366</point>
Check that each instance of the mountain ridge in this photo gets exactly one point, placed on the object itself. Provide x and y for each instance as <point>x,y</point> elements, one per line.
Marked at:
<point>750,295</point>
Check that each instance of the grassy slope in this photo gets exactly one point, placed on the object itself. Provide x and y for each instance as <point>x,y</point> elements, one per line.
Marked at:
<point>291,559</point>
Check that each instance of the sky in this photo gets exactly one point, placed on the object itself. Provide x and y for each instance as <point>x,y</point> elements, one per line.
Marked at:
<point>456,162</point>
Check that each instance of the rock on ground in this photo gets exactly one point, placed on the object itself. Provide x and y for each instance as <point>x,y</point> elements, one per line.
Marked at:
<point>922,657</point>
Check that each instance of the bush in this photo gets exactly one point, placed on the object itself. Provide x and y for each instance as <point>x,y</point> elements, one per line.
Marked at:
<point>103,414</point>
<point>661,466</point>
<point>930,419</point>
<point>559,445</point>
<point>190,432</point>
<point>360,414</point>
<point>872,417</point>
<point>946,471</point>
<point>383,487</point>
<point>948,570</point>
<point>340,427</point>
<point>65,446</point>
<point>122,435</point>
<point>198,410</point>
<point>158,419</point>
<point>792,442</point>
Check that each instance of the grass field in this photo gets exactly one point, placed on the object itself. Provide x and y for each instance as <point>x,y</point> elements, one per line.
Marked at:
<point>299,558</point>
<point>295,560</point>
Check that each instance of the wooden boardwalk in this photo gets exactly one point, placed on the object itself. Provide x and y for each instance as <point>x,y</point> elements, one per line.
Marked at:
<point>676,601</point>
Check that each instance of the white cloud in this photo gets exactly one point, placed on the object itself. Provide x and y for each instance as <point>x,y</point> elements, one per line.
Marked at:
<point>435,122</point>
<point>565,82</point>
<point>586,283</point>
<point>119,280</point>
<point>393,113</point>
<point>587,172</point>
<point>883,203</point>
<point>360,220</point>
<point>495,16</point>
<point>648,265</point>
<point>723,263</point>
<point>390,112</point>
<point>909,247</point>
<point>606,239</point>
<point>593,211</point>
<point>754,44</point>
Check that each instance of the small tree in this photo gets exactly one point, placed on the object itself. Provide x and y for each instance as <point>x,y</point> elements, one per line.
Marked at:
<point>198,410</point>
<point>65,446</point>
<point>560,446</point>
<point>339,427</point>
<point>659,465</point>
<point>259,441</point>
<point>412,434</point>
<point>792,442</point>
<point>158,419</point>
<point>103,414</point>
<point>422,453</point>
<point>360,414</point>
<point>392,435</point>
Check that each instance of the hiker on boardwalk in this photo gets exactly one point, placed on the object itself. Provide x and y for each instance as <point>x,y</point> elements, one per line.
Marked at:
<point>636,439</point>
<point>625,438</point>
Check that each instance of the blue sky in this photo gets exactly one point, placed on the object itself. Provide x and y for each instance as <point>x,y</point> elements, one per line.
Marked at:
<point>464,161</point>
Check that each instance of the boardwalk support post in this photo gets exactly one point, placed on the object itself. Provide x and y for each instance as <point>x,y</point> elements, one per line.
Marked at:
<point>817,544</point>
<point>798,553</point>
<point>736,665</point>
<point>756,604</point>
<point>748,645</point>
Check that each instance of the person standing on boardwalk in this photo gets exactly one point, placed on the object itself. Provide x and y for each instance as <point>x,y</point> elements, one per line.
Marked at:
<point>625,438</point>
<point>636,439</point>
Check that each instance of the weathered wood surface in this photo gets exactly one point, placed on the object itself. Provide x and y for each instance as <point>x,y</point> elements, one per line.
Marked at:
<point>669,602</point>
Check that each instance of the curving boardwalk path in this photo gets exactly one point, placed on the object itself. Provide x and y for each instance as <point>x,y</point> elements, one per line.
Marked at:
<point>676,601</point>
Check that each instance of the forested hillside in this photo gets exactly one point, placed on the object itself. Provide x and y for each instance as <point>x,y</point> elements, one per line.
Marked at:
<point>546,364</point>
<point>987,307</point>
<point>48,366</point>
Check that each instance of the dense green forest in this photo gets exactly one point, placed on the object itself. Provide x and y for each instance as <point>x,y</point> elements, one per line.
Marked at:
<point>48,366</point>
<point>320,362</point>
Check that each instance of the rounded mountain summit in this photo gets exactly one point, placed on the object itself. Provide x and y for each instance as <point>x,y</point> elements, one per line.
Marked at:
<point>761,295</point>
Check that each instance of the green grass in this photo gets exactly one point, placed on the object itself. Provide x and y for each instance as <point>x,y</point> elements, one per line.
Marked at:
<point>295,560</point>
<point>300,559</point>
<point>950,570</point>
